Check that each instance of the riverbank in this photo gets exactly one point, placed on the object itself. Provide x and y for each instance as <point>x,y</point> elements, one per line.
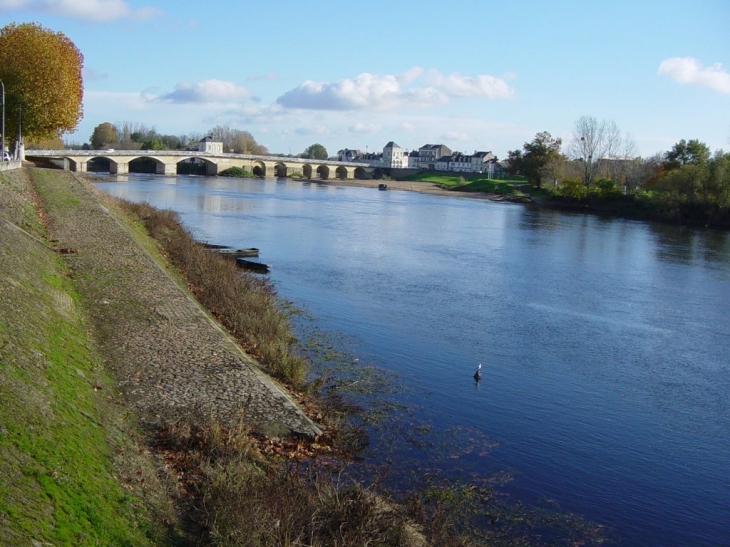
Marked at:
<point>169,356</point>
<point>655,208</point>
<point>410,186</point>
<point>148,425</point>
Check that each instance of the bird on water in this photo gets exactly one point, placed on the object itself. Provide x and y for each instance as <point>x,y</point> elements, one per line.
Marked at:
<point>478,373</point>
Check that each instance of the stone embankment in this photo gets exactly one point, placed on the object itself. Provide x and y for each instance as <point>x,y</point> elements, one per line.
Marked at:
<point>169,358</point>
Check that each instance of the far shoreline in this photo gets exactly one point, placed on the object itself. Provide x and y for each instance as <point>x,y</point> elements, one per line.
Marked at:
<point>406,185</point>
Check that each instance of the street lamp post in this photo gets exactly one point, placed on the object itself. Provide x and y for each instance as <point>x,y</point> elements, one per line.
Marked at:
<point>19,139</point>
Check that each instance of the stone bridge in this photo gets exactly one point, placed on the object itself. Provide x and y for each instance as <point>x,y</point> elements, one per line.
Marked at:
<point>166,162</point>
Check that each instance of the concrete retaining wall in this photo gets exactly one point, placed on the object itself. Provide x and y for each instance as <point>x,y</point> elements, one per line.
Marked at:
<point>8,165</point>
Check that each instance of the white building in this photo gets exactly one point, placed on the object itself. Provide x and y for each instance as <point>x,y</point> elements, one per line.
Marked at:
<point>480,161</point>
<point>413,160</point>
<point>394,156</point>
<point>349,155</point>
<point>373,160</point>
<point>209,146</point>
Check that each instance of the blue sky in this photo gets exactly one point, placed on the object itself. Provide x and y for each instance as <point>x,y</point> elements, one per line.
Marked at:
<point>474,75</point>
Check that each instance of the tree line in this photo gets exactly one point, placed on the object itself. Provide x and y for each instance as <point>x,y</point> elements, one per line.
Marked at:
<point>137,136</point>
<point>600,169</point>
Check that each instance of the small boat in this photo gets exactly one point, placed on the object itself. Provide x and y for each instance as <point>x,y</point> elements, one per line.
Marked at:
<point>382,186</point>
<point>251,251</point>
<point>229,251</point>
<point>250,265</point>
<point>478,373</point>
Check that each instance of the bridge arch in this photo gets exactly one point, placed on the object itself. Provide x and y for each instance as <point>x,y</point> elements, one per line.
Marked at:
<point>193,166</point>
<point>280,169</point>
<point>323,171</point>
<point>360,173</point>
<point>146,164</point>
<point>104,164</point>
<point>97,164</point>
<point>341,172</point>
<point>258,169</point>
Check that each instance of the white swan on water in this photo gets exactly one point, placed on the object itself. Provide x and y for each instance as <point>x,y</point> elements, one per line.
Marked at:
<point>478,373</point>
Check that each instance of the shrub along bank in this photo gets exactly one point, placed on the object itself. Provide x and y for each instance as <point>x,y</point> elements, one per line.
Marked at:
<point>602,197</point>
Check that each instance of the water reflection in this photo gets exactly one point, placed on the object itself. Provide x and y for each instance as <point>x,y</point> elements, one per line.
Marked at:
<point>686,245</point>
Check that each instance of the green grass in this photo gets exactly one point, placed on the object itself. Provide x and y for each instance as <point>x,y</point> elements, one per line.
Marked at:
<point>57,479</point>
<point>63,485</point>
<point>487,186</point>
<point>460,179</point>
<point>471,182</point>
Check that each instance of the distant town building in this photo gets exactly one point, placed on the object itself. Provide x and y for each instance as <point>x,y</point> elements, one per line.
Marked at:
<point>210,146</point>
<point>373,160</point>
<point>437,157</point>
<point>349,155</point>
<point>429,154</point>
<point>480,161</point>
<point>413,160</point>
<point>394,156</point>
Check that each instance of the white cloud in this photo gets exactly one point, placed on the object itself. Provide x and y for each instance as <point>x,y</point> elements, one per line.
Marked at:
<point>687,70</point>
<point>92,10</point>
<point>207,92</point>
<point>389,92</point>
<point>364,128</point>
<point>456,85</point>
<point>364,92</point>
<point>410,75</point>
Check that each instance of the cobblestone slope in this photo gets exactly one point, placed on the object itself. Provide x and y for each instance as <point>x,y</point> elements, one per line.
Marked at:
<point>168,356</point>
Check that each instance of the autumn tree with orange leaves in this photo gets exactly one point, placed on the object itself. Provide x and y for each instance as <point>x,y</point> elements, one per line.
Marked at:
<point>41,72</point>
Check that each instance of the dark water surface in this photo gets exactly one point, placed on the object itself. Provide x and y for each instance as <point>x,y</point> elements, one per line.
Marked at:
<point>605,343</point>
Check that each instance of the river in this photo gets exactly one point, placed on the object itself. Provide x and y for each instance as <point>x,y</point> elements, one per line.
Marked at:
<point>605,343</point>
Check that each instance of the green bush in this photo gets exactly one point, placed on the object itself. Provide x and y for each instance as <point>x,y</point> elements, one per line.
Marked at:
<point>572,188</point>
<point>606,188</point>
<point>239,172</point>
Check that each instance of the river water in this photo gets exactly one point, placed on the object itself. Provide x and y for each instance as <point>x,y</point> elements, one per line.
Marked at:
<point>605,343</point>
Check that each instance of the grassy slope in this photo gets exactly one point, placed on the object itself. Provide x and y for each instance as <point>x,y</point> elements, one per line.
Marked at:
<point>465,182</point>
<point>58,433</point>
